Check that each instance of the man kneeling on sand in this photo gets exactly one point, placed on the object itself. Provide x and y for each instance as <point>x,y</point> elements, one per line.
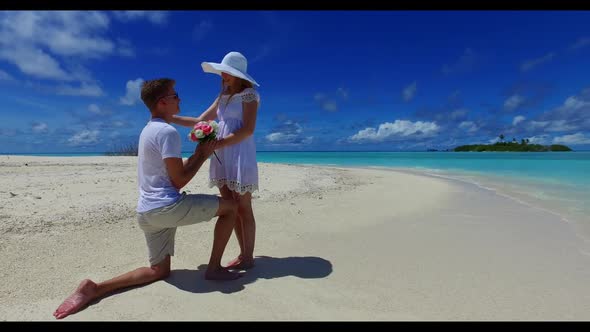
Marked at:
<point>161,208</point>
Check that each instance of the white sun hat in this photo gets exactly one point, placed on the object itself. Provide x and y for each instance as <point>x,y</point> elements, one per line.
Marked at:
<point>233,63</point>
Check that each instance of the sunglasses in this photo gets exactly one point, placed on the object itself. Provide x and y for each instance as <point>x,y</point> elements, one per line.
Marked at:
<point>176,96</point>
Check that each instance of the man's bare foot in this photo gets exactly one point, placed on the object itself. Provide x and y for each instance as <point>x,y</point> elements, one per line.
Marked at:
<point>85,293</point>
<point>221,274</point>
<point>241,263</point>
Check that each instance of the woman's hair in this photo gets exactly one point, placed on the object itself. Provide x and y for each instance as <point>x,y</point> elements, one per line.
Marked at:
<point>244,84</point>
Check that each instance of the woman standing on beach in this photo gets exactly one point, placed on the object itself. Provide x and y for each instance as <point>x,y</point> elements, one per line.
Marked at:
<point>236,172</point>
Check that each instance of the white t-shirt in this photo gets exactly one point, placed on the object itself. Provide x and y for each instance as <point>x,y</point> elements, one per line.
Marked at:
<point>158,140</point>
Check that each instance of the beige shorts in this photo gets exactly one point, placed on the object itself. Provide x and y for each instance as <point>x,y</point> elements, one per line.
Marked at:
<point>159,225</point>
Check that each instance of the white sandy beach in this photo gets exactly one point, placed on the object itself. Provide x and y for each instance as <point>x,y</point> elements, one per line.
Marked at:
<point>332,244</point>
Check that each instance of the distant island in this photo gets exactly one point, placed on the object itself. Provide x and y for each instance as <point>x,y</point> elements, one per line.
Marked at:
<point>513,146</point>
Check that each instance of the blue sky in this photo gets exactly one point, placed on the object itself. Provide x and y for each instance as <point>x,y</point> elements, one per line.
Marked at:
<point>330,80</point>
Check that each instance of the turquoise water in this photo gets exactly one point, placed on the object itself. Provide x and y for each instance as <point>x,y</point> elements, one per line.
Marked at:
<point>560,167</point>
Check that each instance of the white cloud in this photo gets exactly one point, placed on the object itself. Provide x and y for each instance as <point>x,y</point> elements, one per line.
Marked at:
<point>409,92</point>
<point>513,102</point>
<point>396,130</point>
<point>468,126</point>
<point>539,139</point>
<point>574,139</point>
<point>289,133</point>
<point>133,93</point>
<point>70,43</point>
<point>571,116</point>
<point>553,125</point>
<point>40,128</point>
<point>54,45</point>
<point>275,137</point>
<point>34,62</point>
<point>560,125</point>
<point>155,17</point>
<point>84,137</point>
<point>85,89</point>
<point>574,103</point>
<point>518,119</point>
<point>66,33</point>
<point>537,125</point>
<point>286,138</point>
<point>531,63</point>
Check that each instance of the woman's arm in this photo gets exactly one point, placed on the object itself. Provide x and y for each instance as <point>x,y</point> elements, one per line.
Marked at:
<point>189,121</point>
<point>249,112</point>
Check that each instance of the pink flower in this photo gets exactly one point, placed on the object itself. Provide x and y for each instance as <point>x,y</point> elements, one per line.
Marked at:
<point>201,124</point>
<point>204,131</point>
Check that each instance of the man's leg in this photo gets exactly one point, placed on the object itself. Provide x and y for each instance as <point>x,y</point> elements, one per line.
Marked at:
<point>88,290</point>
<point>223,228</point>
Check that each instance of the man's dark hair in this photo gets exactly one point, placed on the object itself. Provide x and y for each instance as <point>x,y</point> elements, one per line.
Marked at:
<point>153,90</point>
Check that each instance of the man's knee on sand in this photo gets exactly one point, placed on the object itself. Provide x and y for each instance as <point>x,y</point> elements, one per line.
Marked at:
<point>227,207</point>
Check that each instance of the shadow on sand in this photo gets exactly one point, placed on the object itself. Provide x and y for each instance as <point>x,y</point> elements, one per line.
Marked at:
<point>265,268</point>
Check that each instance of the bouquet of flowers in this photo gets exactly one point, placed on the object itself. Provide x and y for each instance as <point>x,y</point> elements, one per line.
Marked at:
<point>205,131</point>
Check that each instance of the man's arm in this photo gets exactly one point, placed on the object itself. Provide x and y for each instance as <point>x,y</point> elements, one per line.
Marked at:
<point>189,121</point>
<point>182,172</point>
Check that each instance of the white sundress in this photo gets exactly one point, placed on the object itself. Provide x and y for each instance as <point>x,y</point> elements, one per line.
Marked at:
<point>238,169</point>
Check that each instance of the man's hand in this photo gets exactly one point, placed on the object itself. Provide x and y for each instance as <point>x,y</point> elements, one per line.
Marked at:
<point>204,150</point>
<point>180,172</point>
<point>220,144</point>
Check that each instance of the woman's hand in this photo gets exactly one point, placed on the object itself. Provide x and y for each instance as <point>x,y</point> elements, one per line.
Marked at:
<point>186,121</point>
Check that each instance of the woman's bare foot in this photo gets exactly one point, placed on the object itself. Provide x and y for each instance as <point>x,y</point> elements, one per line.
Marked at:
<point>234,262</point>
<point>221,273</point>
<point>85,293</point>
<point>241,263</point>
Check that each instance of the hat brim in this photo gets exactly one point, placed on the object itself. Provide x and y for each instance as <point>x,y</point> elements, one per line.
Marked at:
<point>218,68</point>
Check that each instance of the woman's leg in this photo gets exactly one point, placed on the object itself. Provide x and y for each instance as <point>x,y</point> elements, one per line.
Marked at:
<point>228,194</point>
<point>248,227</point>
